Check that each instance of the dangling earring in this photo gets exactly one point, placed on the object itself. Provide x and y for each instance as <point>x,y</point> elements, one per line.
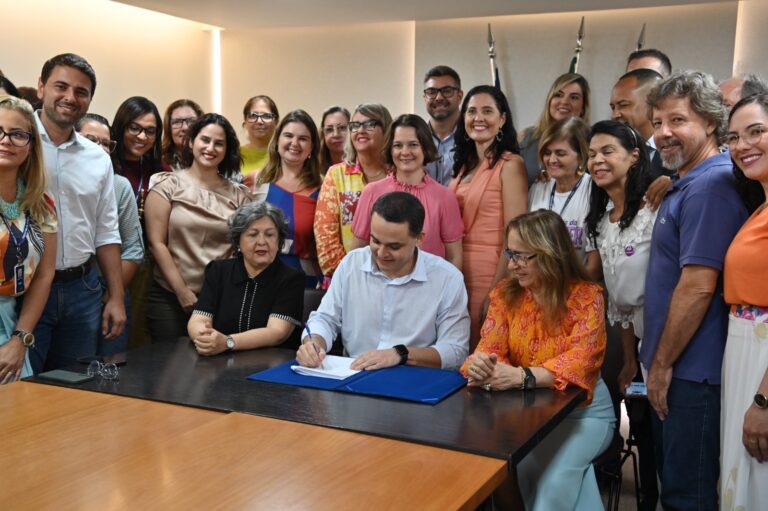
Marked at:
<point>499,136</point>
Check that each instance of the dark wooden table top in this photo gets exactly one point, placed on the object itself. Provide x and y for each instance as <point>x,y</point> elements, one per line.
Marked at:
<point>503,425</point>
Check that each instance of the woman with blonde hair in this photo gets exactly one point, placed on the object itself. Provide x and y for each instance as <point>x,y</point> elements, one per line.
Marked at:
<point>364,163</point>
<point>546,328</point>
<point>291,181</point>
<point>568,97</point>
<point>27,236</point>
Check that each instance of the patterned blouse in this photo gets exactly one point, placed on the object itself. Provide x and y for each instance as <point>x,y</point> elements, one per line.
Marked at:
<point>32,248</point>
<point>574,351</point>
<point>336,207</point>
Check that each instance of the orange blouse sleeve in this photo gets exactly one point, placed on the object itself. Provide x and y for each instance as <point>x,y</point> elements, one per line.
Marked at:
<point>330,249</point>
<point>583,346</point>
<point>494,334</point>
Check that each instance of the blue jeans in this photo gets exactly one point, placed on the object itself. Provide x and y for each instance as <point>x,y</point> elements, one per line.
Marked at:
<point>70,324</point>
<point>688,446</point>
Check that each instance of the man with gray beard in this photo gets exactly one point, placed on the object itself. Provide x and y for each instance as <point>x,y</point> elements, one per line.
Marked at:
<point>685,315</point>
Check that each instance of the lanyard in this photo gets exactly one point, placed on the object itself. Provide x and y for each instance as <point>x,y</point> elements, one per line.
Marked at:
<point>17,242</point>
<point>567,200</point>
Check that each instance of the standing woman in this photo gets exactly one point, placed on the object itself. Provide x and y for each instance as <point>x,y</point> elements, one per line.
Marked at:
<point>291,181</point>
<point>179,116</point>
<point>260,116</point>
<point>492,188</point>
<point>744,431</point>
<point>27,236</point>
<point>364,163</point>
<point>620,168</point>
<point>138,131</point>
<point>568,97</point>
<point>566,191</point>
<point>408,148</point>
<point>186,220</point>
<point>333,136</point>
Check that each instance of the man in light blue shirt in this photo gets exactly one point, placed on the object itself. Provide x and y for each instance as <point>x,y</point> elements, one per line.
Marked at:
<point>391,302</point>
<point>80,178</point>
<point>442,98</point>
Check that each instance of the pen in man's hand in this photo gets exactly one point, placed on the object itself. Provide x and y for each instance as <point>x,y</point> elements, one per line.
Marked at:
<point>317,350</point>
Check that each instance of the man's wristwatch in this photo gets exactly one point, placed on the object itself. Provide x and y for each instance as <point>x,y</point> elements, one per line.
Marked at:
<point>529,381</point>
<point>230,343</point>
<point>403,352</point>
<point>27,339</point>
<point>761,401</point>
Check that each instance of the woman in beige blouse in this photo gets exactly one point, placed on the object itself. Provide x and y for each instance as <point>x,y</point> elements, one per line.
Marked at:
<point>186,219</point>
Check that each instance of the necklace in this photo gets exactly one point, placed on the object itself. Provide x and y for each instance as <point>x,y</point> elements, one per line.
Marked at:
<point>11,209</point>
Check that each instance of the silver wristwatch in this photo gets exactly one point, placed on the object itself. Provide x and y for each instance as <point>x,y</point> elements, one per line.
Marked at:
<point>27,339</point>
<point>230,343</point>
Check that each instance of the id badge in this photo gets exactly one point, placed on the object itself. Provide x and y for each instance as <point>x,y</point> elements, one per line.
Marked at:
<point>18,272</point>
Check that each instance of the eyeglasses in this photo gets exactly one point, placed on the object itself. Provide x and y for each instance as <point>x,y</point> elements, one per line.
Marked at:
<point>18,138</point>
<point>178,122</point>
<point>369,125</point>
<point>447,92</point>
<point>106,371</point>
<point>108,145</point>
<point>338,128</point>
<point>136,130</point>
<point>751,136</point>
<point>259,116</point>
<point>518,257</point>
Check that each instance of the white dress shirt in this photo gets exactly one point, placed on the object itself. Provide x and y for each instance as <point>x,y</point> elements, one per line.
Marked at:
<point>426,308</point>
<point>80,178</point>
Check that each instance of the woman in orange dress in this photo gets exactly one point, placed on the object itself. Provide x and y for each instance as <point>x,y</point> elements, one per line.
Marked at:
<point>546,328</point>
<point>492,188</point>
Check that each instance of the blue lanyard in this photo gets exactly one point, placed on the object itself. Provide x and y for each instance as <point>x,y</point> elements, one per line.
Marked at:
<point>17,242</point>
<point>567,200</point>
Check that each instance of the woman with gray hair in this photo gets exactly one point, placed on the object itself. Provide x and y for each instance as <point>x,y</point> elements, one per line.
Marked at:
<point>253,300</point>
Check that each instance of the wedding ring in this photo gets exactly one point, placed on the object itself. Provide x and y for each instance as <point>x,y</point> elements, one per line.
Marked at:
<point>487,387</point>
<point>752,441</point>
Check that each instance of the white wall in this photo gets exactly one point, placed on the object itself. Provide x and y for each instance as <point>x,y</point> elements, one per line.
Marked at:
<point>133,51</point>
<point>534,49</point>
<point>314,68</point>
<point>751,44</point>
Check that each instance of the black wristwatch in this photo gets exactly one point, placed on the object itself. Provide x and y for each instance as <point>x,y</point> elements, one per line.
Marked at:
<point>403,352</point>
<point>761,401</point>
<point>529,382</point>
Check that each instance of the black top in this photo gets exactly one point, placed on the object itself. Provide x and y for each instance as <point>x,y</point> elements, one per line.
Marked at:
<point>237,303</point>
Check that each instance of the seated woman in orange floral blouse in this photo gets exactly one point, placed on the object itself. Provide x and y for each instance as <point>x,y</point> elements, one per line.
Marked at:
<point>545,328</point>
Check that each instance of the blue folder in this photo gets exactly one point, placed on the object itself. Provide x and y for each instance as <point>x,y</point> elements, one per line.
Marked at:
<point>409,383</point>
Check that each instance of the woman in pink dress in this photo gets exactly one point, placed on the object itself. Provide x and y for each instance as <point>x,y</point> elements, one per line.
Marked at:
<point>491,185</point>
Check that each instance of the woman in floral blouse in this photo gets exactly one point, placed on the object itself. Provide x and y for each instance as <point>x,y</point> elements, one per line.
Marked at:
<point>545,328</point>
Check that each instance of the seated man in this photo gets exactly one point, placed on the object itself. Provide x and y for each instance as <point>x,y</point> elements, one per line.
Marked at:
<point>392,303</point>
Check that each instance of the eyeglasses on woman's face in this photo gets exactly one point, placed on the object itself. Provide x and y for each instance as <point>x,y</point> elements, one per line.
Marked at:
<point>518,257</point>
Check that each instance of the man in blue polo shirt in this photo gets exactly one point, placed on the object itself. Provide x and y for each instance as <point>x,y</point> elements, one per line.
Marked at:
<point>685,315</point>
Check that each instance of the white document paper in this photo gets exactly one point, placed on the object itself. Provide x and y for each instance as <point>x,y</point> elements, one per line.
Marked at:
<point>334,367</point>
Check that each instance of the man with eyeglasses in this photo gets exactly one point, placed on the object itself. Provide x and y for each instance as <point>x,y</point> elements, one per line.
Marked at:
<point>442,97</point>
<point>685,316</point>
<point>80,178</point>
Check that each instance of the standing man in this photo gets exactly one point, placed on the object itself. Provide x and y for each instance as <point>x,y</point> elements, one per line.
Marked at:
<point>685,315</point>
<point>80,178</point>
<point>442,97</point>
<point>650,59</point>
<point>629,105</point>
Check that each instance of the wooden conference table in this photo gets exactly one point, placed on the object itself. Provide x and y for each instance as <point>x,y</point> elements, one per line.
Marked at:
<point>246,458</point>
<point>68,449</point>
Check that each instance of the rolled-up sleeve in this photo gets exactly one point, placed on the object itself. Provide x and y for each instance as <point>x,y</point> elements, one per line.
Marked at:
<point>107,230</point>
<point>131,242</point>
<point>453,324</point>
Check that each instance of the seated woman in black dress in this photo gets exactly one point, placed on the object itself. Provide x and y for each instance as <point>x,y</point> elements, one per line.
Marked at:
<point>252,300</point>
